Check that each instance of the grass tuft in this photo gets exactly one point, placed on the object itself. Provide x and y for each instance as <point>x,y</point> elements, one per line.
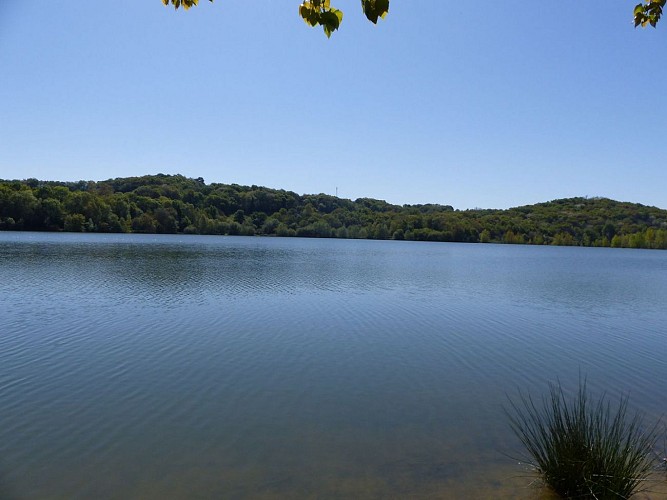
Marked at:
<point>583,448</point>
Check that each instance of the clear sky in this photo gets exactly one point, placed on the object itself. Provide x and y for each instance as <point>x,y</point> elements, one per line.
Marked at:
<point>472,104</point>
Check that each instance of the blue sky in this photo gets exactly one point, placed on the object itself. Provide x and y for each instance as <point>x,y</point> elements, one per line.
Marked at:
<point>480,104</point>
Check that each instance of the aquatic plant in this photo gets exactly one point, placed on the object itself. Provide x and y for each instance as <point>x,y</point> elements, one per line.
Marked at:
<point>583,448</point>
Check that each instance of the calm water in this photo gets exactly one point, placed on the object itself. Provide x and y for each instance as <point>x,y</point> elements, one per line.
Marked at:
<point>158,367</point>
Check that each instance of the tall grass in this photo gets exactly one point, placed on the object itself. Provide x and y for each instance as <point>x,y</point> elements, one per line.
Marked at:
<point>583,448</point>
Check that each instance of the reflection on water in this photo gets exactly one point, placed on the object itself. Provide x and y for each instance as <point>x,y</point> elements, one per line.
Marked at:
<point>137,366</point>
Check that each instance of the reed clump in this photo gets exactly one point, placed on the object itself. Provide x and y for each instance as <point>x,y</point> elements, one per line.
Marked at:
<point>583,448</point>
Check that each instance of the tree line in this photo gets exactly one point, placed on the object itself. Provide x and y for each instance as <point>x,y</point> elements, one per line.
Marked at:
<point>170,204</point>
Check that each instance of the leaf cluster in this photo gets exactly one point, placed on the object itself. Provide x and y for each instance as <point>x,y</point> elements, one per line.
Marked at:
<point>186,4</point>
<point>317,12</point>
<point>374,9</point>
<point>648,12</point>
<point>320,12</point>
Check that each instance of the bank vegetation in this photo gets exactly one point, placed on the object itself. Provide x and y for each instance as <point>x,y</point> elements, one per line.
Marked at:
<point>176,204</point>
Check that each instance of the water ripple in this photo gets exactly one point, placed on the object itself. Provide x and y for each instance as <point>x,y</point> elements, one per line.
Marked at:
<point>250,366</point>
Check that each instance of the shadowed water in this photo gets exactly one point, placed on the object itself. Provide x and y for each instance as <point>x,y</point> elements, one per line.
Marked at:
<point>137,366</point>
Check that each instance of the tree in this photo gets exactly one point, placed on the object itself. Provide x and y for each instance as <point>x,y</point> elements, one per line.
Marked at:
<point>22,206</point>
<point>317,12</point>
<point>74,223</point>
<point>116,205</point>
<point>165,219</point>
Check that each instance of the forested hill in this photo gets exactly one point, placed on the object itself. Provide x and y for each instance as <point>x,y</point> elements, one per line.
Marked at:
<point>176,204</point>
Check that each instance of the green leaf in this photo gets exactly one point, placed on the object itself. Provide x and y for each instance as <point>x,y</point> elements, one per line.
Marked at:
<point>309,13</point>
<point>304,12</point>
<point>339,15</point>
<point>313,19</point>
<point>383,8</point>
<point>315,12</point>
<point>186,4</point>
<point>330,22</point>
<point>374,9</point>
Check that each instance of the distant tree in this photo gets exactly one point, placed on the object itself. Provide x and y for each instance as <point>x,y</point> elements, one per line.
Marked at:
<point>563,239</point>
<point>608,230</point>
<point>22,206</point>
<point>145,223</point>
<point>513,238</point>
<point>166,220</point>
<point>270,225</point>
<point>239,216</point>
<point>51,214</point>
<point>398,234</point>
<point>75,223</point>
<point>7,224</point>
<point>341,232</point>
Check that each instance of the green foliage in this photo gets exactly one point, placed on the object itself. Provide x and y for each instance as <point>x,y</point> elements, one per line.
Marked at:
<point>175,204</point>
<point>375,9</point>
<point>583,449</point>
<point>512,238</point>
<point>186,4</point>
<point>648,12</point>
<point>563,239</point>
<point>317,12</point>
<point>320,12</point>
<point>74,223</point>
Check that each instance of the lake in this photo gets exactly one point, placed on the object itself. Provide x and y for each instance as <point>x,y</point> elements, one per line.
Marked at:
<point>160,367</point>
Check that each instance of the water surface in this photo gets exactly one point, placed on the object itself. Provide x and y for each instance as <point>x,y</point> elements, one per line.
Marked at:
<point>142,366</point>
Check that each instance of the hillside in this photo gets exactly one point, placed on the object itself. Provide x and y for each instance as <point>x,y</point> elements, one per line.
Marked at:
<point>176,204</point>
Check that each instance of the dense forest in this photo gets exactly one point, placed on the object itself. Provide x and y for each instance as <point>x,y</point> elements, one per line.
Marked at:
<point>176,204</point>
